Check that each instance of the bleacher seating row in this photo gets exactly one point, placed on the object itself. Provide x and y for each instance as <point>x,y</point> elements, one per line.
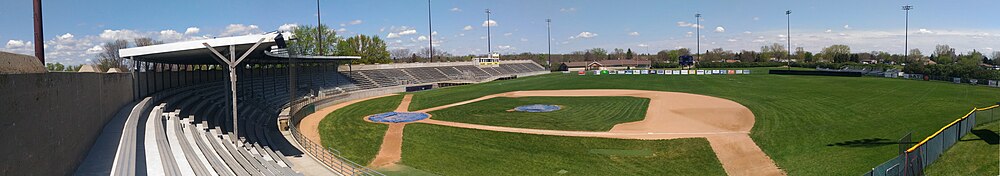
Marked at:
<point>190,130</point>
<point>367,79</point>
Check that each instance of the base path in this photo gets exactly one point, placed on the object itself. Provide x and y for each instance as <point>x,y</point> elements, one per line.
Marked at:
<point>391,150</point>
<point>726,124</point>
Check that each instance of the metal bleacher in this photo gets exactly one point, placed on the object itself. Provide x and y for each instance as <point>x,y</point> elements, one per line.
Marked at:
<point>189,130</point>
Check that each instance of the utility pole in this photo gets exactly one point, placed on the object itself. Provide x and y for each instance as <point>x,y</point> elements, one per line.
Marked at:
<point>319,33</point>
<point>489,50</point>
<point>788,38</point>
<point>548,29</point>
<point>906,36</point>
<point>697,28</point>
<point>431,29</point>
<point>39,41</point>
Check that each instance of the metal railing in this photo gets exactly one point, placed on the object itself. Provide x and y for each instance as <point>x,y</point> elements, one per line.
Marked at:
<point>914,159</point>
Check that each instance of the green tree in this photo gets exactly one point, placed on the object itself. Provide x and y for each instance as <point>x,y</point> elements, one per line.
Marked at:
<point>629,54</point>
<point>55,66</point>
<point>837,53</point>
<point>371,49</point>
<point>306,42</point>
<point>974,58</point>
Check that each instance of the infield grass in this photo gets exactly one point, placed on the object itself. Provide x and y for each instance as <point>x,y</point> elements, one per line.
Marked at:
<point>576,113</point>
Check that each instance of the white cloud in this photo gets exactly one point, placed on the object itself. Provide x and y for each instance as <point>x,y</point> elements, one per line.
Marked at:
<point>422,38</point>
<point>342,30</point>
<point>828,30</point>
<point>508,34</point>
<point>95,50</point>
<point>193,30</point>
<point>504,47</point>
<point>633,33</point>
<point>747,32</point>
<point>924,31</point>
<point>524,40</point>
<point>434,33</point>
<point>170,35</point>
<point>11,44</point>
<point>288,27</point>
<point>686,24</point>
<point>240,29</point>
<point>123,34</point>
<point>720,29</point>
<point>584,35</point>
<point>456,9</point>
<point>732,40</point>
<point>847,26</point>
<point>490,23</point>
<point>355,22</point>
<point>688,34</point>
<point>756,18</point>
<point>567,10</point>
<point>466,28</point>
<point>392,35</point>
<point>643,45</point>
<point>408,32</point>
<point>66,36</point>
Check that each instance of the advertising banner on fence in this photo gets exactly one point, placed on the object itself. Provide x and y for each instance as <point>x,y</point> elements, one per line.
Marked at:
<point>660,71</point>
<point>739,72</point>
<point>956,80</point>
<point>605,72</point>
<point>582,73</point>
<point>645,72</point>
<point>746,72</point>
<point>730,72</point>
<point>700,72</point>
<point>597,72</point>
<point>993,83</point>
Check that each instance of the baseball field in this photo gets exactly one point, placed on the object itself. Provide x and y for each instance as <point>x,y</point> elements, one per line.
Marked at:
<point>806,125</point>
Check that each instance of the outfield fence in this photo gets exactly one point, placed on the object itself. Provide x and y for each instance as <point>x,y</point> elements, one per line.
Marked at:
<point>914,159</point>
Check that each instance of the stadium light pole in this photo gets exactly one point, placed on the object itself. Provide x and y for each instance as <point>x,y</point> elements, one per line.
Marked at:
<point>488,44</point>
<point>906,35</point>
<point>548,30</point>
<point>788,38</point>
<point>697,28</point>
<point>430,29</point>
<point>39,39</point>
<point>319,33</point>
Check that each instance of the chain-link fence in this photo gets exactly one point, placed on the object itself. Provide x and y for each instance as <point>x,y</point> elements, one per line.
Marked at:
<point>914,159</point>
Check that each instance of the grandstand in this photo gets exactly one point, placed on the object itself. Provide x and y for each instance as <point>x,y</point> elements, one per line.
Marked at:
<point>182,122</point>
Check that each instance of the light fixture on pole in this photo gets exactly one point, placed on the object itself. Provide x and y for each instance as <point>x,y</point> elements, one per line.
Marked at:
<point>548,29</point>
<point>697,20</point>
<point>906,36</point>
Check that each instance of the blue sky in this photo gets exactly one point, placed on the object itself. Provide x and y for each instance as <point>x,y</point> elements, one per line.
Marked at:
<point>74,28</point>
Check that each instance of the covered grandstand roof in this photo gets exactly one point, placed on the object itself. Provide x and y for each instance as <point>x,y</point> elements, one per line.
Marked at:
<point>194,52</point>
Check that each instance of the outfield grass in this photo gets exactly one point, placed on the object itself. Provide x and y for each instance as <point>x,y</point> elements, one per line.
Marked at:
<point>457,151</point>
<point>577,113</point>
<point>807,124</point>
<point>356,139</point>
<point>976,154</point>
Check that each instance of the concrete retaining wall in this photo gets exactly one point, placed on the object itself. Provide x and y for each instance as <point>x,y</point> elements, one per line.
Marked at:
<point>49,121</point>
